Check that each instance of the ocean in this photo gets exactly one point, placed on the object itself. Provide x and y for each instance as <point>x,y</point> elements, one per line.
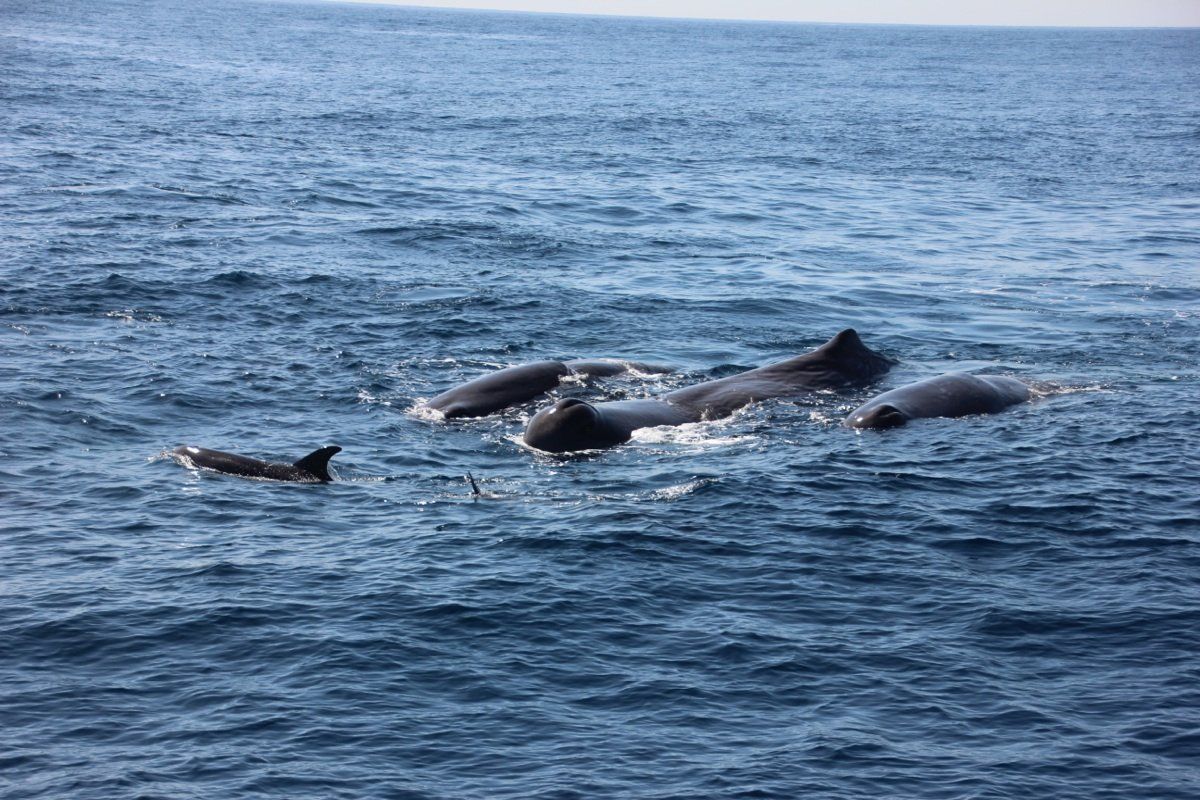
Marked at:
<point>265,227</point>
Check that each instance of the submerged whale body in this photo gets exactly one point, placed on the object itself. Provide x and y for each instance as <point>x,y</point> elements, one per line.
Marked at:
<point>515,385</point>
<point>499,389</point>
<point>955,394</point>
<point>313,468</point>
<point>572,425</point>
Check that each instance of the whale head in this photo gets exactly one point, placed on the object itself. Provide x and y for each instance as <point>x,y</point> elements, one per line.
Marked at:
<point>878,417</point>
<point>566,426</point>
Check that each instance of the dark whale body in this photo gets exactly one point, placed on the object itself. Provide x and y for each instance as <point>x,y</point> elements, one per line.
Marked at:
<point>514,385</point>
<point>313,468</point>
<point>955,394</point>
<point>572,425</point>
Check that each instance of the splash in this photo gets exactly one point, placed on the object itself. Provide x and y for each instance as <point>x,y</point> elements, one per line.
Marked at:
<point>692,434</point>
<point>419,410</point>
<point>366,398</point>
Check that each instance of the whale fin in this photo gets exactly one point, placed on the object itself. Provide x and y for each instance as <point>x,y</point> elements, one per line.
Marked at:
<point>847,344</point>
<point>849,351</point>
<point>847,339</point>
<point>316,463</point>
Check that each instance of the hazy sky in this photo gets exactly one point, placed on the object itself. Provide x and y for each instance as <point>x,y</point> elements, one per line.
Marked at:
<point>1118,13</point>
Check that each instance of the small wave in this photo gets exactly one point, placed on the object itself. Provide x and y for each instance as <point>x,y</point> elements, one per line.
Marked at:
<point>364,396</point>
<point>672,493</point>
<point>657,375</point>
<point>237,277</point>
<point>472,35</point>
<point>980,546</point>
<point>1040,389</point>
<point>1165,238</point>
<point>223,199</point>
<point>421,295</point>
<point>351,477</point>
<point>436,234</point>
<point>131,315</point>
<point>336,200</point>
<point>1189,135</point>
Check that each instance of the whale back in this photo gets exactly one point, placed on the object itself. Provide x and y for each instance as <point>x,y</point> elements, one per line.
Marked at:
<point>499,389</point>
<point>842,362</point>
<point>220,461</point>
<point>1010,391</point>
<point>954,394</point>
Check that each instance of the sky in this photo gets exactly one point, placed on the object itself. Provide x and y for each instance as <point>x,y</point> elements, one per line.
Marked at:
<point>1115,13</point>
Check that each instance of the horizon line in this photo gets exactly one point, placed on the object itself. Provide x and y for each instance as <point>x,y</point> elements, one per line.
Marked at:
<point>765,20</point>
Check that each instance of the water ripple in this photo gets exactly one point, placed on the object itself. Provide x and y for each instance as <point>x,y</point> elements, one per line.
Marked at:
<point>266,227</point>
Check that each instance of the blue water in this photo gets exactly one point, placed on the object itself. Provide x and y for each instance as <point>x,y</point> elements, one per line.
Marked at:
<point>267,227</point>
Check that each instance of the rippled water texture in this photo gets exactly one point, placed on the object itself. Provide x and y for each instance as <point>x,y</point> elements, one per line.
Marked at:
<point>268,227</point>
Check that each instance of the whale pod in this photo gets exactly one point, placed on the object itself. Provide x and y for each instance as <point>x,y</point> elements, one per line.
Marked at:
<point>571,425</point>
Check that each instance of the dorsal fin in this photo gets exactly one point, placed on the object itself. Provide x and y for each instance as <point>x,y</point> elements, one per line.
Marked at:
<point>316,463</point>
<point>845,342</point>
<point>849,351</point>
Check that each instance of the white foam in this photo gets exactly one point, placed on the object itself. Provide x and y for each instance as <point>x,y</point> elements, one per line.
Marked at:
<point>131,315</point>
<point>182,459</point>
<point>421,411</point>
<point>828,417</point>
<point>691,434</point>
<point>672,493</point>
<point>366,397</point>
<point>1051,390</point>
<point>649,377</point>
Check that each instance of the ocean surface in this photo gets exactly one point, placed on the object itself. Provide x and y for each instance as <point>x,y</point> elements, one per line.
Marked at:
<point>266,227</point>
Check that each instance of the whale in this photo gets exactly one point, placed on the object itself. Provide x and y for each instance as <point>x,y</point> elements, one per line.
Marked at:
<point>954,394</point>
<point>313,468</point>
<point>512,386</point>
<point>572,425</point>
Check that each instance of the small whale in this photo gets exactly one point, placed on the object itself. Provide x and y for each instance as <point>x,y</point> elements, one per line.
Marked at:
<point>955,394</point>
<point>313,468</point>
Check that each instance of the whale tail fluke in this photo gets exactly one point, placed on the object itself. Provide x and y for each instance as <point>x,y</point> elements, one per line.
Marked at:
<point>316,463</point>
